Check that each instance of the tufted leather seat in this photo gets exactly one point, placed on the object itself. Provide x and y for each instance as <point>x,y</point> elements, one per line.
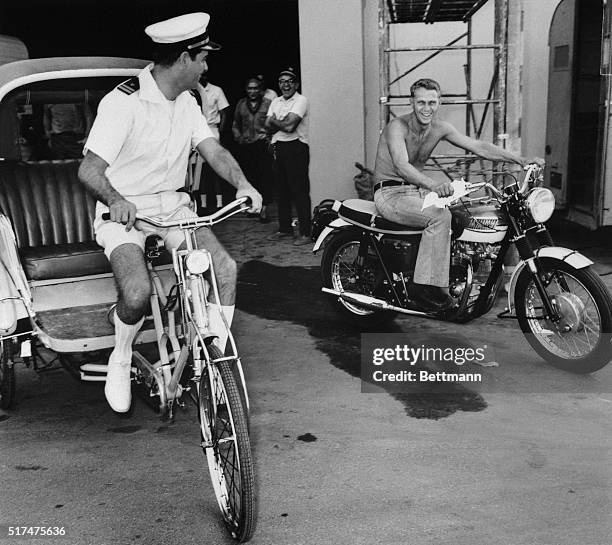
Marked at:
<point>52,216</point>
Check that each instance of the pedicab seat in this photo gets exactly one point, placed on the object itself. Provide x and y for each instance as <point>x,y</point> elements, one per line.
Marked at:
<point>52,217</point>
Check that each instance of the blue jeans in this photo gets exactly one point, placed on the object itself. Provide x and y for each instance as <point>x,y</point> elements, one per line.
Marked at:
<point>402,204</point>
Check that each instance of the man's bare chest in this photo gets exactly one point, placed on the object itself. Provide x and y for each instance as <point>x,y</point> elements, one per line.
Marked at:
<point>420,147</point>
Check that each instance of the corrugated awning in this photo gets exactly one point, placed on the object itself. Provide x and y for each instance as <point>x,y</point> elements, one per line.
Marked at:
<point>432,11</point>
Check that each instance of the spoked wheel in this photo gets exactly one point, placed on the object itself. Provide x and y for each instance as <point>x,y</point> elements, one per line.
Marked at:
<point>344,270</point>
<point>226,442</point>
<point>580,341</point>
<point>7,375</point>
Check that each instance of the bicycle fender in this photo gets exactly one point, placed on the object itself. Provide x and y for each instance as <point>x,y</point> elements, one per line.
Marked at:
<point>336,224</point>
<point>571,257</point>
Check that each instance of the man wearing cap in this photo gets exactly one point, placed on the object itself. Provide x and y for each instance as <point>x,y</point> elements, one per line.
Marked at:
<point>287,121</point>
<point>135,161</point>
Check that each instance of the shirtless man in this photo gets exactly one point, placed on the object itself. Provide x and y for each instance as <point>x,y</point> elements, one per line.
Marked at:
<point>400,185</point>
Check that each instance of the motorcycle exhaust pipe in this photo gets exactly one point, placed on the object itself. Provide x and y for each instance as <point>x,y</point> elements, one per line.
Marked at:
<point>371,303</point>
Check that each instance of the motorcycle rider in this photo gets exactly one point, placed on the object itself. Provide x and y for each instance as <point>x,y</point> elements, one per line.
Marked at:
<point>136,160</point>
<point>400,185</point>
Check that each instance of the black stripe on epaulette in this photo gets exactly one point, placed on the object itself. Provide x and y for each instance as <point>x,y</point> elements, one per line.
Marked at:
<point>129,86</point>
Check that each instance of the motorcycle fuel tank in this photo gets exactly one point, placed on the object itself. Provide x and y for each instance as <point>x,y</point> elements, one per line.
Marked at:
<point>479,223</point>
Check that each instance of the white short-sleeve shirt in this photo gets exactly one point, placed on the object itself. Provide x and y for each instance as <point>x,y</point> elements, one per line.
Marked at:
<point>146,138</point>
<point>297,104</point>
<point>213,101</point>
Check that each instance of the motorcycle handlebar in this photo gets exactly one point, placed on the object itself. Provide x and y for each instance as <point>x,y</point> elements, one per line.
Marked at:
<point>239,205</point>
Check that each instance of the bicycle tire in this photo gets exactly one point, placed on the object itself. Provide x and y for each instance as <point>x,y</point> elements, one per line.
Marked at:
<point>228,453</point>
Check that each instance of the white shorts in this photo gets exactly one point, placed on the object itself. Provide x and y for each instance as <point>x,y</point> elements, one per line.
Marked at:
<point>110,234</point>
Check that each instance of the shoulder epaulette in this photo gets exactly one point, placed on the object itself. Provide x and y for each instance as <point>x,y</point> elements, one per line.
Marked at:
<point>129,86</point>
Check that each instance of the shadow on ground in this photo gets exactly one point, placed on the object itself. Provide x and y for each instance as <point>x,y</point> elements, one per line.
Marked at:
<point>293,294</point>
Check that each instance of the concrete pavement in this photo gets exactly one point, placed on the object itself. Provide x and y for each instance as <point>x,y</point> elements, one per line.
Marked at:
<point>526,465</point>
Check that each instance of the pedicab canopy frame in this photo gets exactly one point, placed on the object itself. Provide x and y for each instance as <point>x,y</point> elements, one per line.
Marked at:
<point>48,256</point>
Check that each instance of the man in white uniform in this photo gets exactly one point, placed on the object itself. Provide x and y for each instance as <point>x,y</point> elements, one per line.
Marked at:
<point>215,108</point>
<point>214,105</point>
<point>135,161</point>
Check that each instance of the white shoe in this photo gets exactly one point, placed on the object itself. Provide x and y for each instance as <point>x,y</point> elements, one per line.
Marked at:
<point>118,388</point>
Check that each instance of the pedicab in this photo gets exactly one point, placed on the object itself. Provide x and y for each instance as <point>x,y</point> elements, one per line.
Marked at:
<point>57,290</point>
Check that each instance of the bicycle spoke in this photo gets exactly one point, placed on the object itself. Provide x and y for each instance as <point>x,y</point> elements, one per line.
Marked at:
<point>232,474</point>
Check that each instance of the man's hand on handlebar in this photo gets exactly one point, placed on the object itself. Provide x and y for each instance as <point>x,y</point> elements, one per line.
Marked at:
<point>444,189</point>
<point>123,211</point>
<point>253,194</point>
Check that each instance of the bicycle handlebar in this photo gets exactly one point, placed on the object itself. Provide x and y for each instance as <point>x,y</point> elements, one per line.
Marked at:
<point>239,205</point>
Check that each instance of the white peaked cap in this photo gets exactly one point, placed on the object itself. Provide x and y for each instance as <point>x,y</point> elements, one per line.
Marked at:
<point>189,28</point>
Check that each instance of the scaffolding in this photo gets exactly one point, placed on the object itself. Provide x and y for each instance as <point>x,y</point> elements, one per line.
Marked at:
<point>395,12</point>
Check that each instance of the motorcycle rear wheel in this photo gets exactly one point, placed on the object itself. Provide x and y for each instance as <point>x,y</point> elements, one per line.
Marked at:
<point>341,272</point>
<point>580,341</point>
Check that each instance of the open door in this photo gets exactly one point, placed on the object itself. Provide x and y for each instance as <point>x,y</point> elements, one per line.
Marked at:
<point>560,93</point>
<point>606,74</point>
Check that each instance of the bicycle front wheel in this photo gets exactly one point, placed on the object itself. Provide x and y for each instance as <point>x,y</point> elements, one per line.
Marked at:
<point>226,443</point>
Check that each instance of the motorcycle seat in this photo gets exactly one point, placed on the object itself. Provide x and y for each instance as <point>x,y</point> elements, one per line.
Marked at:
<point>364,214</point>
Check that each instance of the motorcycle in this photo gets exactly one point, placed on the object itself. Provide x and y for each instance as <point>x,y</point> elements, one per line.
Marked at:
<point>562,306</point>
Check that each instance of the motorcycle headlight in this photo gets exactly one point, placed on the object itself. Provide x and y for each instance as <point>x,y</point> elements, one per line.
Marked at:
<point>541,204</point>
<point>197,262</point>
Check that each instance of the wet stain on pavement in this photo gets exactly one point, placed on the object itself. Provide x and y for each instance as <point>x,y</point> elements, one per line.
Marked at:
<point>293,294</point>
<point>31,468</point>
<point>125,429</point>
<point>307,438</point>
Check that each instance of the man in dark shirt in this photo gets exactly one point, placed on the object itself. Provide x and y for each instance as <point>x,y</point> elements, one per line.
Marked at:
<point>251,136</point>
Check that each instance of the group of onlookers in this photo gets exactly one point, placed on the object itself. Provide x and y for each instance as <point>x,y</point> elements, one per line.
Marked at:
<point>270,142</point>
<point>270,133</point>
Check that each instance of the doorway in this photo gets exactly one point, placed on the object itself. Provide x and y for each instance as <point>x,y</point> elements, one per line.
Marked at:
<point>575,108</point>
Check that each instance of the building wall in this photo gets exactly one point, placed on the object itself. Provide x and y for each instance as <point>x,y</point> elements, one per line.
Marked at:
<point>340,75</point>
<point>331,50</point>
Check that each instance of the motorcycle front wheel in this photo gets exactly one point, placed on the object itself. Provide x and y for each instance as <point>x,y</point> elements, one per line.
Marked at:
<point>580,341</point>
<point>342,270</point>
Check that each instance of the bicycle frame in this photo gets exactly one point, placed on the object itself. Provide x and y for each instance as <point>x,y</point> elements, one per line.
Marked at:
<point>193,304</point>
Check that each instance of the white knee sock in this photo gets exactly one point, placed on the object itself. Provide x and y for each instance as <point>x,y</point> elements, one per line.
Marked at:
<point>124,337</point>
<point>216,325</point>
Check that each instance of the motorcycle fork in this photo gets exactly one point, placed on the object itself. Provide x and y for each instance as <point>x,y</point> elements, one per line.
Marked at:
<point>528,255</point>
<point>363,252</point>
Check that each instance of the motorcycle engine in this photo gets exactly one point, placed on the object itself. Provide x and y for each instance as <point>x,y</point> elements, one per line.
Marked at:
<point>470,267</point>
